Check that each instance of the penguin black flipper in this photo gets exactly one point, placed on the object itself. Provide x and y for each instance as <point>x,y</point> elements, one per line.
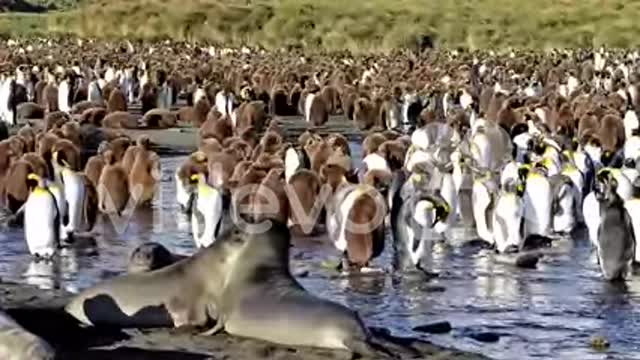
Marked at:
<point>488,214</point>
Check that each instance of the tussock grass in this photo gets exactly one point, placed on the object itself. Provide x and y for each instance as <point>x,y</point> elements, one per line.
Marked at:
<point>359,25</point>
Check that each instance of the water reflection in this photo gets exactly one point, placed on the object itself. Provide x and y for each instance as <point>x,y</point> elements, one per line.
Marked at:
<point>44,274</point>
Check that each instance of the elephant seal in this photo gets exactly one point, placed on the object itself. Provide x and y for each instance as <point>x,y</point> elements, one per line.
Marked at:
<point>151,256</point>
<point>16,343</point>
<point>262,300</point>
<point>183,294</point>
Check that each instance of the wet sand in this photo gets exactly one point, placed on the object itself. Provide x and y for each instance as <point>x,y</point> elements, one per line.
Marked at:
<point>41,312</point>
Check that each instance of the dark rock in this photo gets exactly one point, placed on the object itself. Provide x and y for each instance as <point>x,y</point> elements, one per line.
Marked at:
<point>485,337</point>
<point>441,327</point>
<point>527,261</point>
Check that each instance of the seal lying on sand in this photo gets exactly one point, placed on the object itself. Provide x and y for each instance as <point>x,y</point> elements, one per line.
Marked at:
<point>16,343</point>
<point>151,256</point>
<point>184,293</point>
<point>262,300</point>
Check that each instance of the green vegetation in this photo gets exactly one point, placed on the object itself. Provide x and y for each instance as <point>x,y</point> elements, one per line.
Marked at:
<point>354,25</point>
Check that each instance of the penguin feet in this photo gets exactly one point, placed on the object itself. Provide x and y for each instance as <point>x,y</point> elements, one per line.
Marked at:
<point>427,273</point>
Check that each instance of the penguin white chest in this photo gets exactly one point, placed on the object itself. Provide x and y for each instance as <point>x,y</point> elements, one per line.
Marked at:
<point>481,200</point>
<point>633,208</point>
<point>75,193</point>
<point>209,205</point>
<point>345,208</point>
<point>291,163</point>
<point>307,106</point>
<point>376,162</point>
<point>40,224</point>
<point>506,222</point>
<point>481,150</point>
<point>183,194</point>
<point>591,213</point>
<point>537,201</point>
<point>564,217</point>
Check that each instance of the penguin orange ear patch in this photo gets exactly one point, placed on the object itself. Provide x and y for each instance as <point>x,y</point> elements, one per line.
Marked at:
<point>33,176</point>
<point>194,177</point>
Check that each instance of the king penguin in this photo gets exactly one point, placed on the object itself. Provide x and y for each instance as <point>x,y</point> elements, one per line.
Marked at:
<point>41,219</point>
<point>413,222</point>
<point>615,244</point>
<point>483,199</point>
<point>537,202</point>
<point>207,212</point>
<point>565,204</point>
<point>508,220</point>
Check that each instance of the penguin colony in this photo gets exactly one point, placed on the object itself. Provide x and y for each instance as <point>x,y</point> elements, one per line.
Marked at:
<point>520,150</point>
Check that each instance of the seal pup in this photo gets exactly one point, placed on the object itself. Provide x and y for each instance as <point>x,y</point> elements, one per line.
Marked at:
<point>151,256</point>
<point>41,219</point>
<point>16,343</point>
<point>113,186</point>
<point>187,293</point>
<point>262,300</point>
<point>616,243</point>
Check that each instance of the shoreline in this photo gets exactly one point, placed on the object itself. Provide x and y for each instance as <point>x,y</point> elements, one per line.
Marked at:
<point>40,311</point>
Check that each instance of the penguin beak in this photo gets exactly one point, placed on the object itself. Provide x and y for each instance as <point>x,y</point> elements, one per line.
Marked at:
<point>194,179</point>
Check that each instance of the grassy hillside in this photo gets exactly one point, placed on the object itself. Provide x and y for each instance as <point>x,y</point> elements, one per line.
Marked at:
<point>356,25</point>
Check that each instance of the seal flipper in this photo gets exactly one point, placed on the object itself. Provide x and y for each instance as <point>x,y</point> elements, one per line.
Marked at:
<point>212,313</point>
<point>368,348</point>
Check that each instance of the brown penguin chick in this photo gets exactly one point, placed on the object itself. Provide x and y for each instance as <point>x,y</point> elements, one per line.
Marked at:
<point>18,145</point>
<point>371,143</point>
<point>220,167</point>
<point>252,114</point>
<point>331,97</point>
<point>308,136</point>
<point>611,133</point>
<point>394,152</point>
<point>15,189</point>
<point>279,102</point>
<point>270,143</point>
<point>66,153</point>
<point>119,146</point>
<point>587,124</point>
<point>39,92</point>
<point>318,113</point>
<point>45,144</point>
<point>303,189</point>
<point>270,200</point>
<point>249,135</point>
<point>29,110</point>
<point>143,143</point>
<point>294,98</point>
<point>348,100</point>
<point>93,116</point>
<point>334,175</point>
<point>364,114</point>
<point>240,169</point>
<point>159,119</point>
<point>55,120</point>
<point>363,246</point>
<point>219,129</point>
<point>113,186</point>
<point>50,98</point>
<point>144,176</point>
<point>27,133</point>
<point>195,115</point>
<point>117,101</point>
<point>379,179</point>
<point>38,164</point>
<point>71,132</point>
<point>148,97</point>
<point>6,156</point>
<point>82,106</point>
<point>93,169</point>
<point>318,154</point>
<point>209,146</point>
<point>120,120</point>
<point>241,149</point>
<point>338,141</point>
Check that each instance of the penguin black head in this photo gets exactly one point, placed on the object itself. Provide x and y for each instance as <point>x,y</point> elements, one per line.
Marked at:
<point>630,163</point>
<point>539,147</point>
<point>574,144</point>
<point>33,181</point>
<point>442,212</point>
<point>523,172</point>
<point>518,129</point>
<point>606,157</point>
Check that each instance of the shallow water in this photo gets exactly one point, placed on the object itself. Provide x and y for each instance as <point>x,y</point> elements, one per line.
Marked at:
<point>547,313</point>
